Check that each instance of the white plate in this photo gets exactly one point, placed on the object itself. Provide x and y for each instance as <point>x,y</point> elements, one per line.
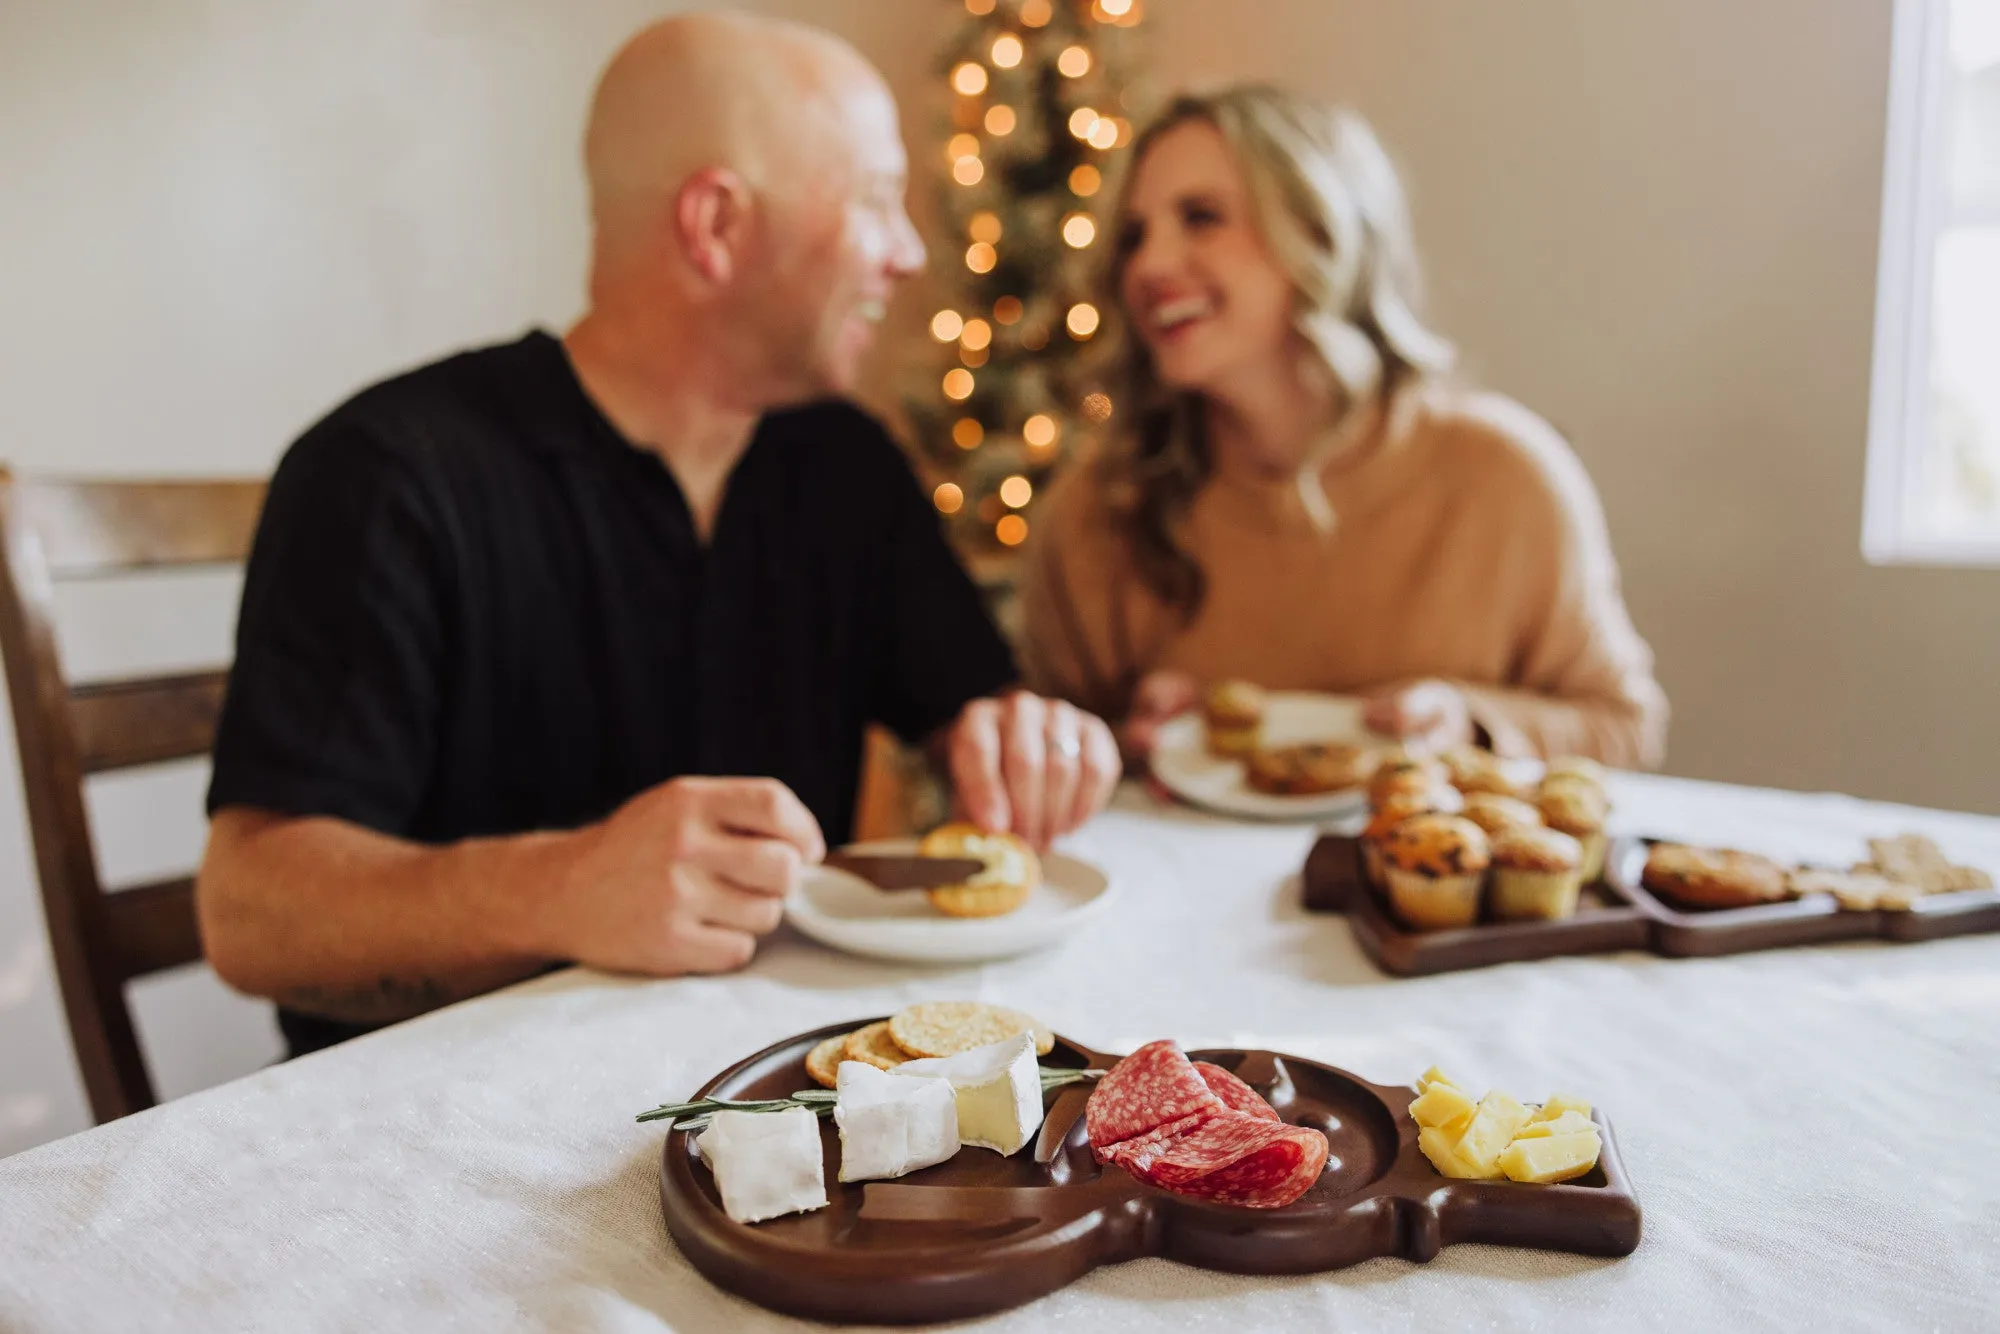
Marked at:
<point>850,914</point>
<point>1182,763</point>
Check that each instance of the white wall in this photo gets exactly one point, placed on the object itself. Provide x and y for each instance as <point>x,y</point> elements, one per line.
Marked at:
<point>1653,222</point>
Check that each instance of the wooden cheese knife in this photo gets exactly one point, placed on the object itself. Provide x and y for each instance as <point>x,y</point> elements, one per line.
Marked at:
<point>905,871</point>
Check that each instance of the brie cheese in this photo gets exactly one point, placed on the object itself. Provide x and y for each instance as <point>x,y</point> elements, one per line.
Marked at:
<point>765,1163</point>
<point>998,1089</point>
<point>891,1125</point>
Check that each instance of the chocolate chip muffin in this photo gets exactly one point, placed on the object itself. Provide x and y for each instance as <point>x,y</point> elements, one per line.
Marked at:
<point>1537,874</point>
<point>1496,814</point>
<point>1578,809</point>
<point>1435,865</point>
<point>1234,714</point>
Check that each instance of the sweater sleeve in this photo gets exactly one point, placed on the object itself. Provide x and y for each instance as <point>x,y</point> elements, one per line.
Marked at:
<point>1068,647</point>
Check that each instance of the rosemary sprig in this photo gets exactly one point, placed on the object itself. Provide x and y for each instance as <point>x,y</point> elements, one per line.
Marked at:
<point>694,1116</point>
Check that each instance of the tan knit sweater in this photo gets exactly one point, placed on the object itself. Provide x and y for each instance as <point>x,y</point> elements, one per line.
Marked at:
<point>1468,545</point>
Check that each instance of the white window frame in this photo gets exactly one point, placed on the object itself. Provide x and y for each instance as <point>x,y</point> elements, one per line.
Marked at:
<point>1914,203</point>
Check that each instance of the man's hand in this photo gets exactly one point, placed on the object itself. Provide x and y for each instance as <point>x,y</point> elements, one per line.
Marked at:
<point>1431,714</point>
<point>684,877</point>
<point>1158,697</point>
<point>1038,767</point>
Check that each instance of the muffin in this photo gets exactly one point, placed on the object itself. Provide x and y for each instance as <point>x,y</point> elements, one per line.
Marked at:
<point>1575,766</point>
<point>1472,769</point>
<point>1310,768</point>
<point>1234,713</point>
<point>1434,865</point>
<point>1579,810</point>
<point>1398,807</point>
<point>1400,771</point>
<point>1713,877</point>
<point>1011,874</point>
<point>1537,874</point>
<point>1496,814</point>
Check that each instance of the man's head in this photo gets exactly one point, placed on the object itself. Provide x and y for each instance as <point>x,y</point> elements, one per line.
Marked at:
<point>747,175</point>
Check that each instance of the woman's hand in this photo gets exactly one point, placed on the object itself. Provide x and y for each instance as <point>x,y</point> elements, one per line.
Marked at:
<point>1159,696</point>
<point>1431,714</point>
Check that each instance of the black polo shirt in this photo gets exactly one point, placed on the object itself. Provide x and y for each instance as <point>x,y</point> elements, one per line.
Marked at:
<point>473,608</point>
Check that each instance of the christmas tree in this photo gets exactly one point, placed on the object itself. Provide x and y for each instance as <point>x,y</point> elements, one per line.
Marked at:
<point>1039,113</point>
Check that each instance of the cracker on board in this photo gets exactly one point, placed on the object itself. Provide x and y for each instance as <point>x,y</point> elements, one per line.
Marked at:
<point>945,1028</point>
<point>1917,862</point>
<point>823,1061</point>
<point>873,1046</point>
<point>1859,890</point>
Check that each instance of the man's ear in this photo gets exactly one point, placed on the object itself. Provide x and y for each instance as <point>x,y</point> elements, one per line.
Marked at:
<point>712,222</point>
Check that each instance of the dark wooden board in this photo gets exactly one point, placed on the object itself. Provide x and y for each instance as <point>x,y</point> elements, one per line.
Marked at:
<point>1333,881</point>
<point>982,1233</point>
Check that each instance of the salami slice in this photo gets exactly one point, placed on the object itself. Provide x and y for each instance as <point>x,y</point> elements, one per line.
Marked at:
<point>1236,1095</point>
<point>1239,1159</point>
<point>1154,1085</point>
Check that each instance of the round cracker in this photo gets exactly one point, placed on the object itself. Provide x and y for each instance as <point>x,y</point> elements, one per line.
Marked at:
<point>945,1028</point>
<point>823,1061</point>
<point>873,1046</point>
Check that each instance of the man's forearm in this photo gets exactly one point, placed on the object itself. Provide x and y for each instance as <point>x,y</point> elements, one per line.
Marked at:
<point>329,918</point>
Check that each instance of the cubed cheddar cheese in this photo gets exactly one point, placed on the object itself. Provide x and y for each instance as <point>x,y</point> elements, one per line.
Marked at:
<point>1493,1128</point>
<point>1569,1123</point>
<point>1560,1104</point>
<point>1445,1107</point>
<point>1437,1146</point>
<point>1550,1158</point>
<point>1432,1076</point>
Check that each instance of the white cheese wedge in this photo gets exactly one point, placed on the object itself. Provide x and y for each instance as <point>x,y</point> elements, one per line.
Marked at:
<point>890,1125</point>
<point>998,1089</point>
<point>765,1163</point>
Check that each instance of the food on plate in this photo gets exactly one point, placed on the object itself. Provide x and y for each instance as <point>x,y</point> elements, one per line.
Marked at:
<point>1537,874</point>
<point>946,1028</point>
<point>998,1090</point>
<point>1157,1116</point>
<point>1233,712</point>
<point>823,1061</point>
<point>765,1163</point>
<point>1434,865</point>
<point>1474,769</point>
<point>1713,877</point>
<point>874,1046</point>
<point>1575,766</point>
<point>1499,1137</point>
<point>1401,771</point>
<point>1579,810</point>
<point>890,1124</point>
<point>1011,875</point>
<point>1918,862</point>
<point>1310,768</point>
<point>1496,814</point>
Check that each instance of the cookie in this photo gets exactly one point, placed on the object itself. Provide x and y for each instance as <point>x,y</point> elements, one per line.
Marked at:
<point>1918,862</point>
<point>1011,875</point>
<point>945,1028</point>
<point>1713,877</point>
<point>823,1061</point>
<point>1856,891</point>
<point>1311,768</point>
<point>873,1046</point>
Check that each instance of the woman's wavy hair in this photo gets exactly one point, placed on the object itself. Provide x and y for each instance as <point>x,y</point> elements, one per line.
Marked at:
<point>1331,211</point>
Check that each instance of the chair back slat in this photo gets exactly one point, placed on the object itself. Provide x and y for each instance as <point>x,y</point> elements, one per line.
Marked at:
<point>52,530</point>
<point>120,724</point>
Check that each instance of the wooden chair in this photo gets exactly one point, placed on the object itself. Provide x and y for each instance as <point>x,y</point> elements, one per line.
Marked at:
<point>52,530</point>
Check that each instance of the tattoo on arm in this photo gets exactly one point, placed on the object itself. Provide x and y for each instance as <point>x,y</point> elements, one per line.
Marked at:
<point>391,998</point>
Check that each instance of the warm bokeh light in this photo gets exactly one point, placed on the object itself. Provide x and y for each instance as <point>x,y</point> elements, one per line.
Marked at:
<point>1116,8</point>
<point>1085,180</point>
<point>1016,492</point>
<point>1011,530</point>
<point>948,498</point>
<point>1079,230</point>
<point>958,384</point>
<point>1007,310</point>
<point>1036,13</point>
<point>946,325</point>
<point>1082,320</point>
<point>1039,431</point>
<point>979,8</point>
<point>1006,50</point>
<point>969,78</point>
<point>985,226</point>
<point>1097,407</point>
<point>1082,121</point>
<point>1000,120</point>
<point>974,357</point>
<point>961,145</point>
<point>968,171</point>
<point>1124,131</point>
<point>980,257</point>
<point>1103,133</point>
<point>1074,61</point>
<point>978,333</point>
<point>966,433</point>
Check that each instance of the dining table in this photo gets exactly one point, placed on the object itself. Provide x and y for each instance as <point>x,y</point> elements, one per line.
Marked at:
<point>1810,1132</point>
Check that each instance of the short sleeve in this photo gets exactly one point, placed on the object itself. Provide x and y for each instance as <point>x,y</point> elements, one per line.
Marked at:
<point>333,700</point>
<point>943,649</point>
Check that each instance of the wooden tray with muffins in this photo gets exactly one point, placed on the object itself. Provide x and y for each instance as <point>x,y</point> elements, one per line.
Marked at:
<point>1464,864</point>
<point>957,1159</point>
<point>1709,901</point>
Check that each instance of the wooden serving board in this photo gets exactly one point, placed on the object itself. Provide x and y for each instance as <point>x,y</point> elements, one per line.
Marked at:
<point>982,1233</point>
<point>1333,881</point>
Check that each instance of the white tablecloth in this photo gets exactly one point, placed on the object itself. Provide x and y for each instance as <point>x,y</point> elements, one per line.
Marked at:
<point>1810,1131</point>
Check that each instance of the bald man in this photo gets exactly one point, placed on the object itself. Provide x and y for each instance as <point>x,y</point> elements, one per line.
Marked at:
<point>507,613</point>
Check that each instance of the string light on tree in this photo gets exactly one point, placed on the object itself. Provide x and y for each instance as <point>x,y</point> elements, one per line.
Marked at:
<point>948,498</point>
<point>958,384</point>
<point>1011,530</point>
<point>968,171</point>
<point>1079,230</point>
<point>1007,311</point>
<point>966,433</point>
<point>1006,51</point>
<point>1016,492</point>
<point>980,257</point>
<point>946,326</point>
<point>1081,321</point>
<point>1036,13</point>
<point>969,78</point>
<point>1039,431</point>
<point>1085,180</point>
<point>985,227</point>
<point>1074,62</point>
<point>1000,120</point>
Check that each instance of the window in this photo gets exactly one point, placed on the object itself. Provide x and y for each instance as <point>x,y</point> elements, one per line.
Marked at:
<point>1933,494</point>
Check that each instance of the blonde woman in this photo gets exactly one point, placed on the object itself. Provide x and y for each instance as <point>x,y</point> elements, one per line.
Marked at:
<point>1297,494</point>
